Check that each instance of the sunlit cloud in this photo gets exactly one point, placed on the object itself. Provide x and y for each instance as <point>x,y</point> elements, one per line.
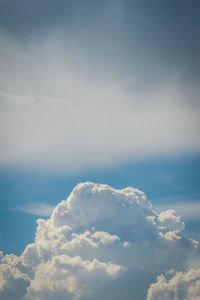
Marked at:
<point>181,285</point>
<point>100,242</point>
<point>189,210</point>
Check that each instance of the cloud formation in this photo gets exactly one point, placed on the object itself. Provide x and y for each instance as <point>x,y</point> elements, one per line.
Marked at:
<point>64,110</point>
<point>179,286</point>
<point>99,243</point>
<point>37,208</point>
<point>188,210</point>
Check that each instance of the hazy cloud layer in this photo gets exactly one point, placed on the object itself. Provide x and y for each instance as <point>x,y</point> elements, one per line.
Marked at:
<point>99,243</point>
<point>60,111</point>
<point>95,84</point>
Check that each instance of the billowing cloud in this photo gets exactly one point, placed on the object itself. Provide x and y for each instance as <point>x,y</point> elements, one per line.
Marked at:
<point>14,280</point>
<point>180,286</point>
<point>99,243</point>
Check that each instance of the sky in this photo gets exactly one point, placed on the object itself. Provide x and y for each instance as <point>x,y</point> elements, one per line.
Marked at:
<point>105,92</point>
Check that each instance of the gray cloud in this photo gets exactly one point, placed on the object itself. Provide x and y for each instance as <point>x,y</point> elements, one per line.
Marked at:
<point>14,281</point>
<point>165,35</point>
<point>58,111</point>
<point>90,84</point>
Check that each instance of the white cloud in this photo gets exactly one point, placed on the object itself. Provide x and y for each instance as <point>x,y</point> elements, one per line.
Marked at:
<point>189,210</point>
<point>60,110</point>
<point>70,277</point>
<point>180,286</point>
<point>99,243</point>
<point>171,220</point>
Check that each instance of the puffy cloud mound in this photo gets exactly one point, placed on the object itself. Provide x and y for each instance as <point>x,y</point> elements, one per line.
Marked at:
<point>100,243</point>
<point>13,278</point>
<point>182,286</point>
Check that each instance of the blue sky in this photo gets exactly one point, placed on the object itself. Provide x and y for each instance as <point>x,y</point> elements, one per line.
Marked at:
<point>167,181</point>
<point>100,91</point>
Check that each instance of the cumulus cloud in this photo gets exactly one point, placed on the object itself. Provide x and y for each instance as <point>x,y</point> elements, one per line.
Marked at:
<point>99,243</point>
<point>181,286</point>
<point>14,280</point>
<point>189,210</point>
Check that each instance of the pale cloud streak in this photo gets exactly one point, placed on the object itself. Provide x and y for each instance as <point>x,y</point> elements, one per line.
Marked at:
<point>37,208</point>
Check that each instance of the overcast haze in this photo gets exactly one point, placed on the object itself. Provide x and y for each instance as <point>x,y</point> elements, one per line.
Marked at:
<point>89,84</point>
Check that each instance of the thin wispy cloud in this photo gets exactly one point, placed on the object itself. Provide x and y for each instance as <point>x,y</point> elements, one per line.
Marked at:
<point>37,208</point>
